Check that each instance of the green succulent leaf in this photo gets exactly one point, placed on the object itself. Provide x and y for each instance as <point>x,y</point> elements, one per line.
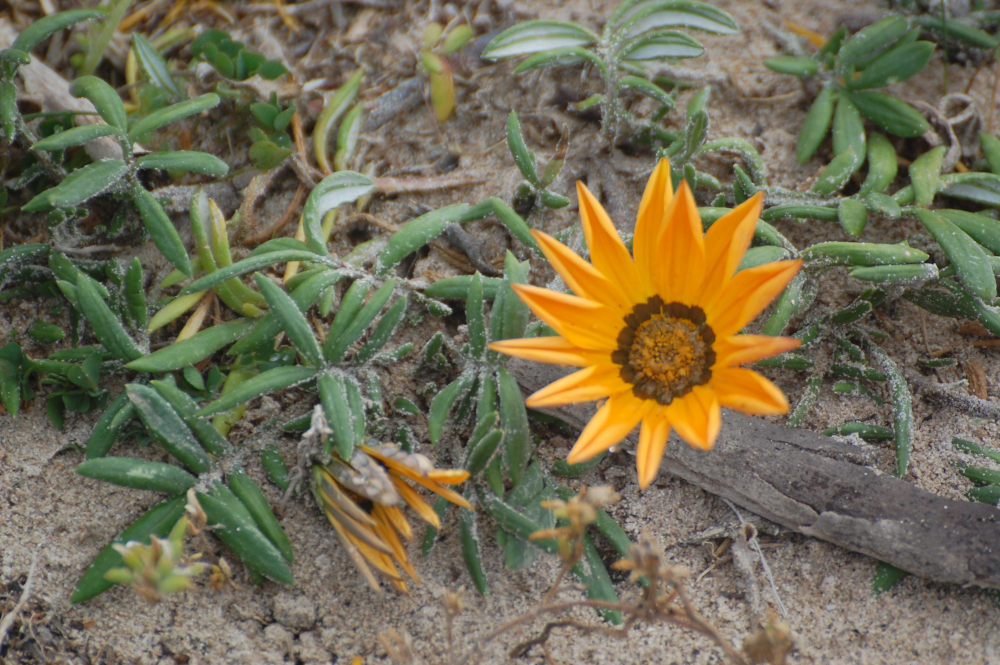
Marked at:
<point>514,421</point>
<point>256,504</point>
<point>191,161</point>
<point>172,113</point>
<point>344,333</point>
<point>913,273</point>
<point>468,534</point>
<point>161,229</point>
<point>416,233</point>
<point>837,172</point>
<point>852,215</point>
<point>523,158</point>
<point>192,350</point>
<point>991,150</point>
<point>795,65</point>
<point>895,65</point>
<point>82,184</point>
<point>107,326</point>
<point>925,175</point>
<point>848,130</point>
<point>292,320</point>
<point>106,430</point>
<point>561,57</point>
<point>893,115</point>
<point>633,18</point>
<point>383,331</point>
<point>8,110</point>
<point>46,26</point>
<point>140,474</point>
<point>186,408</point>
<point>341,412</point>
<point>816,125</point>
<point>158,521</point>
<point>444,401</point>
<point>331,192</point>
<point>970,260</point>
<point>73,137</point>
<point>863,254</point>
<point>268,381</point>
<point>985,230</point>
<point>534,36</point>
<point>154,65</point>
<point>167,427</point>
<point>240,532</point>
<point>954,29</point>
<point>882,164</point>
<point>660,45</point>
<point>871,42</point>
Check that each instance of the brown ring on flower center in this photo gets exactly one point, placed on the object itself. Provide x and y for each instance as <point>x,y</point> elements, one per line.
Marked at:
<point>665,350</point>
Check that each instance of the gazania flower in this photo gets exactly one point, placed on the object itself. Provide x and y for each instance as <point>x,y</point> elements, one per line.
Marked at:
<point>363,500</point>
<point>656,332</point>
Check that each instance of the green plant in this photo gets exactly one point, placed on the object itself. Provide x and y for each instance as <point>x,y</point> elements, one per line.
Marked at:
<point>232,59</point>
<point>986,480</point>
<point>850,71</point>
<point>534,190</point>
<point>506,481</point>
<point>637,35</point>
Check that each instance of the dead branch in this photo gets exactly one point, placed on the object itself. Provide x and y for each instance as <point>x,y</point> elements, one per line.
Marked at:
<point>822,487</point>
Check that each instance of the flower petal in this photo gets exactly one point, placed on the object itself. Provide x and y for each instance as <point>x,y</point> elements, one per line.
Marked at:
<point>554,350</point>
<point>739,349</point>
<point>581,277</point>
<point>652,216</point>
<point>696,417</point>
<point>612,423</point>
<point>652,441</point>
<point>747,294</point>
<point>679,263</point>
<point>745,390</point>
<point>607,251</point>
<point>727,240</point>
<point>582,322</point>
<point>588,384</point>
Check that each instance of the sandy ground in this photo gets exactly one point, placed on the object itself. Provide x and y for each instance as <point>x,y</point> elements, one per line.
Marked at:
<point>330,616</point>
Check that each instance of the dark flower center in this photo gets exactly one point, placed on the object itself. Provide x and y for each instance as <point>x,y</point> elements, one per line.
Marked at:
<point>665,350</point>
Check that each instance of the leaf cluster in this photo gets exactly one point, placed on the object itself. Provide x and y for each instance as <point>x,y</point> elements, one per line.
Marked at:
<point>851,71</point>
<point>232,59</point>
<point>639,35</point>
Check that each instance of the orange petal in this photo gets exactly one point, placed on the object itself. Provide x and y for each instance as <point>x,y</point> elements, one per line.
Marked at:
<point>696,417</point>
<point>554,350</point>
<point>607,251</point>
<point>747,294</point>
<point>745,390</point>
<point>679,263</point>
<point>386,531</point>
<point>448,476</point>
<point>612,423</point>
<point>739,349</point>
<point>581,277</point>
<point>413,500</point>
<point>726,242</point>
<point>582,322</point>
<point>652,216</point>
<point>588,384</point>
<point>652,442</point>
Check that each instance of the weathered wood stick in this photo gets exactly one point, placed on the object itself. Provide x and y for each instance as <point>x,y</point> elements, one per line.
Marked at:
<point>820,487</point>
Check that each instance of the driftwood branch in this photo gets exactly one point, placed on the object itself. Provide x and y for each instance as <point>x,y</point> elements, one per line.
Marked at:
<point>822,487</point>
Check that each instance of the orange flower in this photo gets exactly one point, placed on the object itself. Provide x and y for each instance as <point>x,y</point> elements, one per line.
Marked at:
<point>656,332</point>
<point>363,500</point>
